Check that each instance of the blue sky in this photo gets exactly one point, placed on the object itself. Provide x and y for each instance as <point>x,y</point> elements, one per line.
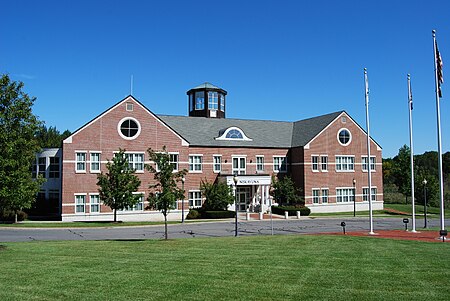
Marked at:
<point>278,60</point>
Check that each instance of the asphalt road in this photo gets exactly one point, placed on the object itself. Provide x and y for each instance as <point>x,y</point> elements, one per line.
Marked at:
<point>207,229</point>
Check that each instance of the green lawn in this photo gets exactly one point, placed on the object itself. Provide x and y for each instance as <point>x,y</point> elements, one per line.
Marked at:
<point>246,268</point>
<point>28,224</point>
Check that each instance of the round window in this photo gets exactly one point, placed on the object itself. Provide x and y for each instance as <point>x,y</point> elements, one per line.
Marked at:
<point>344,137</point>
<point>129,128</point>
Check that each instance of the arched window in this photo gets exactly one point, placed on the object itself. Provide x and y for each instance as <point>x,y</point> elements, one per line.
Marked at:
<point>232,133</point>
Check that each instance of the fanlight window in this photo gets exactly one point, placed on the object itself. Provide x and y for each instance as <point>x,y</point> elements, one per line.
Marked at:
<point>233,133</point>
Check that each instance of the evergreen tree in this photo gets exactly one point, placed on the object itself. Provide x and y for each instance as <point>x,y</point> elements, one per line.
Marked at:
<point>18,147</point>
<point>217,195</point>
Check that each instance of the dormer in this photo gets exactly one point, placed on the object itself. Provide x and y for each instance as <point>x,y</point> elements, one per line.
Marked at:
<point>207,100</point>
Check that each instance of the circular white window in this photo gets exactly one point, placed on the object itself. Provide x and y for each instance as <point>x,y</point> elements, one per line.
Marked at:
<point>344,137</point>
<point>129,128</point>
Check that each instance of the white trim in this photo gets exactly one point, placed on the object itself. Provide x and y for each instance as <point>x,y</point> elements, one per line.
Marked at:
<point>129,98</point>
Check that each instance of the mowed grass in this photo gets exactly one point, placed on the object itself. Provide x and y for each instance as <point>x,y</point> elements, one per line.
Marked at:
<point>290,267</point>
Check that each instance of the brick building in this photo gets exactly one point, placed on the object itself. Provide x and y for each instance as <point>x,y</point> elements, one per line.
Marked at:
<point>326,156</point>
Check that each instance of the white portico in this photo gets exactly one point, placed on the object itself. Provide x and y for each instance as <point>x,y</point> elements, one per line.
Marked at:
<point>252,192</point>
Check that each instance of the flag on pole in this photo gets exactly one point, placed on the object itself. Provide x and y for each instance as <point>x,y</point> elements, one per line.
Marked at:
<point>439,65</point>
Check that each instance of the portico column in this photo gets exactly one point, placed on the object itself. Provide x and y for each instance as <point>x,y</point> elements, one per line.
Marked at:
<point>263,197</point>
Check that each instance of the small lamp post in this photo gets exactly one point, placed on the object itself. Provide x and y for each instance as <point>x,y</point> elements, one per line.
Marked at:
<point>183,179</point>
<point>354,197</point>
<point>343,227</point>
<point>235,180</point>
<point>425,203</point>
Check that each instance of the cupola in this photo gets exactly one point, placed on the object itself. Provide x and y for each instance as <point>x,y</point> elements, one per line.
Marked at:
<point>207,100</point>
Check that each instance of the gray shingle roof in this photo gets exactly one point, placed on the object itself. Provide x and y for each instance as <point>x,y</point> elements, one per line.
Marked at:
<point>201,131</point>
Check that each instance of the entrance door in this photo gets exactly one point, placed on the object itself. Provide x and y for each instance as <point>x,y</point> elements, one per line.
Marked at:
<point>242,201</point>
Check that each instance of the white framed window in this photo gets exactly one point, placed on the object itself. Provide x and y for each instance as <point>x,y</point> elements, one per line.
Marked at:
<point>94,202</point>
<point>95,162</point>
<point>324,163</point>
<point>195,199</point>
<point>217,163</point>
<point>259,163</point>
<point>372,163</point>
<point>239,165</point>
<point>315,163</point>
<point>316,195</point>
<point>129,128</point>
<point>344,137</point>
<point>135,161</point>
<point>129,107</point>
<point>139,206</point>
<point>200,100</point>
<point>80,163</point>
<point>222,102</point>
<point>366,194</point>
<point>345,163</point>
<point>345,195</point>
<point>173,160</point>
<point>280,164</point>
<point>325,195</point>
<point>233,133</point>
<point>80,203</point>
<point>213,100</point>
<point>195,163</point>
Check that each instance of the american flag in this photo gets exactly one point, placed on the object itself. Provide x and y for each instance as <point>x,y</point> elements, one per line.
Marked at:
<point>439,65</point>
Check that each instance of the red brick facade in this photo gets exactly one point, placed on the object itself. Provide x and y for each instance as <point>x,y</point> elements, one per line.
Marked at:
<point>101,135</point>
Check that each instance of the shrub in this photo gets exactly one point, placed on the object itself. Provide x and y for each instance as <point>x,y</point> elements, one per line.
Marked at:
<point>218,214</point>
<point>292,210</point>
<point>9,216</point>
<point>193,214</point>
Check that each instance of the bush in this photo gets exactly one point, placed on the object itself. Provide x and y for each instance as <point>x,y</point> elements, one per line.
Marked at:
<point>292,210</point>
<point>9,216</point>
<point>218,214</point>
<point>193,214</point>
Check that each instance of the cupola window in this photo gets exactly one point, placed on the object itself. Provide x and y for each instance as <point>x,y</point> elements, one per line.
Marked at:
<point>213,100</point>
<point>200,100</point>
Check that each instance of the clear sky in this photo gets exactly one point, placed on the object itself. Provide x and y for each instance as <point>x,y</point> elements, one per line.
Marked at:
<point>278,60</point>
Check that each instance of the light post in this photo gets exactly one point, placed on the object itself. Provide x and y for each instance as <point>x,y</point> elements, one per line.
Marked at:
<point>354,197</point>
<point>425,202</point>
<point>235,180</point>
<point>183,179</point>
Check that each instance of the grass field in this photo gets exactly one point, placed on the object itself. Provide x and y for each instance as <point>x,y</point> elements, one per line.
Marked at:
<point>245,268</point>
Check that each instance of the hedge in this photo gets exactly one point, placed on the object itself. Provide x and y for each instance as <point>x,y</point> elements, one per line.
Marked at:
<point>199,213</point>
<point>292,210</point>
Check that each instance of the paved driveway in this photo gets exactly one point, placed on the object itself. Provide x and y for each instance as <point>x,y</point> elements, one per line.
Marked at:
<point>207,229</point>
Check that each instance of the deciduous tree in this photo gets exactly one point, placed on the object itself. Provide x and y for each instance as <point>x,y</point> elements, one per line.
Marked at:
<point>18,147</point>
<point>165,192</point>
<point>117,186</point>
<point>217,195</point>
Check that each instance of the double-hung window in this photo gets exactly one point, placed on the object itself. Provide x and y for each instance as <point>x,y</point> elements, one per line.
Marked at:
<point>345,195</point>
<point>135,161</point>
<point>324,195</point>
<point>217,164</point>
<point>195,199</point>
<point>315,163</point>
<point>324,163</point>
<point>259,163</point>
<point>95,203</point>
<point>80,203</point>
<point>195,163</point>
<point>315,195</point>
<point>372,163</point>
<point>366,194</point>
<point>173,160</point>
<point>279,164</point>
<point>95,162</point>
<point>53,168</point>
<point>345,163</point>
<point>80,161</point>
<point>42,165</point>
<point>239,164</point>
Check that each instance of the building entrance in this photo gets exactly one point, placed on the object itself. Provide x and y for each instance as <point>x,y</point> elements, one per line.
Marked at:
<point>243,198</point>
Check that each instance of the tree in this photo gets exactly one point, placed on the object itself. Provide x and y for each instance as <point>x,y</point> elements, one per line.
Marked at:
<point>218,195</point>
<point>18,147</point>
<point>116,187</point>
<point>165,193</point>
<point>402,171</point>
<point>285,192</point>
<point>51,137</point>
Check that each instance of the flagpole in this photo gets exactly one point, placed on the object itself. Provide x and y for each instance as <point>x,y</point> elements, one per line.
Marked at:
<point>438,113</point>
<point>369,172</point>
<point>412,154</point>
